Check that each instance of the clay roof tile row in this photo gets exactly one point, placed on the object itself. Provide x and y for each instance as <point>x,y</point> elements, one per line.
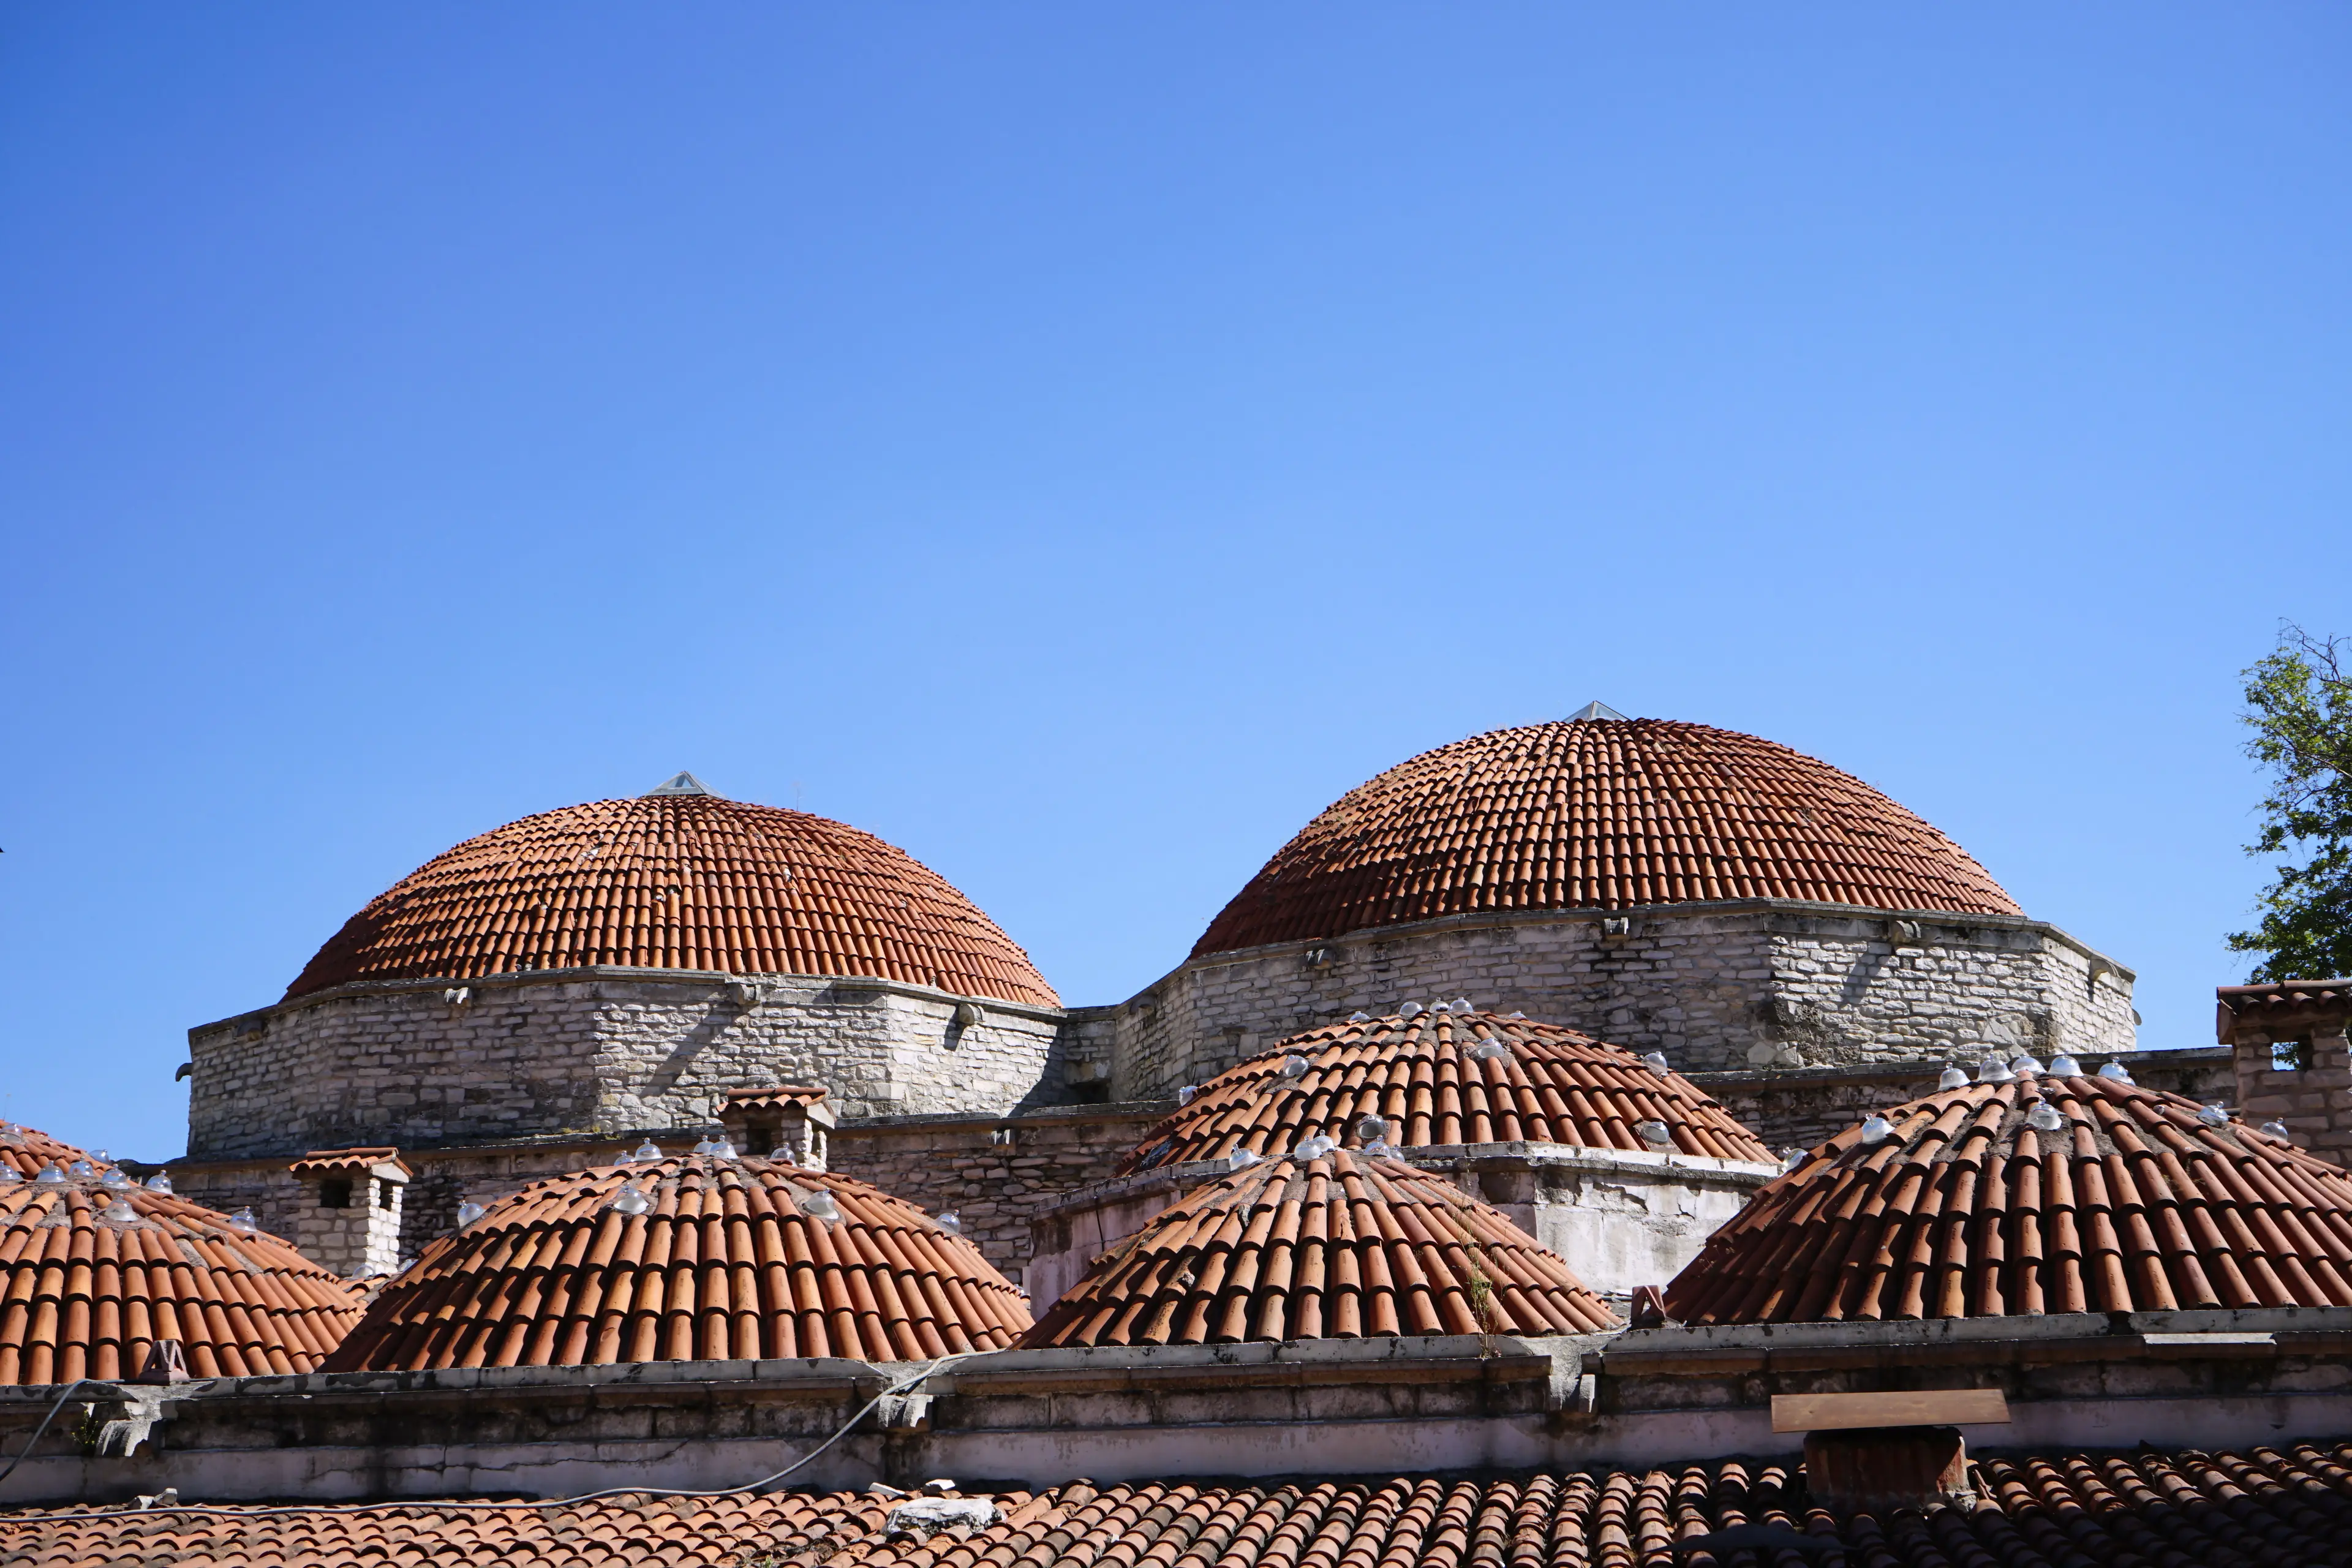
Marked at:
<point>1547,1085</point>
<point>678,882</point>
<point>2137,1201</point>
<point>2271,1508</point>
<point>86,1295</point>
<point>728,1263</point>
<point>1599,815</point>
<point>1337,1248</point>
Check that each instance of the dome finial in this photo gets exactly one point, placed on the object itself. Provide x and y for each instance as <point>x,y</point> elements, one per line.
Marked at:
<point>679,784</point>
<point>1594,710</point>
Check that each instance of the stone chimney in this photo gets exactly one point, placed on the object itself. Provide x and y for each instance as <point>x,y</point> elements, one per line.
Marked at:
<point>794,1117</point>
<point>348,1218</point>
<point>2287,1043</point>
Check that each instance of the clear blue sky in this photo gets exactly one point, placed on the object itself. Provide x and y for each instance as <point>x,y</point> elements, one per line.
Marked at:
<point>1077,442</point>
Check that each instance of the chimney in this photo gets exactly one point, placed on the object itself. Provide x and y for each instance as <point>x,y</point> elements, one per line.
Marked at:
<point>2286,1041</point>
<point>349,1217</point>
<point>794,1118</point>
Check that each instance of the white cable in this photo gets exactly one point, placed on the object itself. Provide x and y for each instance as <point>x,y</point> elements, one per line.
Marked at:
<point>759,1485</point>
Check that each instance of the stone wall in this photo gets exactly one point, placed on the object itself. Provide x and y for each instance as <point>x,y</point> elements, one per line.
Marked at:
<point>584,1051</point>
<point>1718,988</point>
<point>995,1173</point>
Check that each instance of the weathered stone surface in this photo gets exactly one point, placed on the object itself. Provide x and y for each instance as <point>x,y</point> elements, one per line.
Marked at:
<point>1810,985</point>
<point>589,1051</point>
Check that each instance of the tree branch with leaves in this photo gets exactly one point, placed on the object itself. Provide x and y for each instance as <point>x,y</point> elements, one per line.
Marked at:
<point>2299,705</point>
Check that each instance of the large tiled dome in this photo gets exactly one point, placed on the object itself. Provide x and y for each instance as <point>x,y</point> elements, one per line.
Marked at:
<point>2128,1200</point>
<point>729,1260</point>
<point>93,1273</point>
<point>1445,1078</point>
<point>678,881</point>
<point>1340,1247</point>
<point>1599,813</point>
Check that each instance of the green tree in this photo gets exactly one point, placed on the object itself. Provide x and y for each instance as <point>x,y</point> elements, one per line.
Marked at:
<point>2299,705</point>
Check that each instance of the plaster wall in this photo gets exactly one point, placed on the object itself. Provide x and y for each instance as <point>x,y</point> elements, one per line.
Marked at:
<point>1718,988</point>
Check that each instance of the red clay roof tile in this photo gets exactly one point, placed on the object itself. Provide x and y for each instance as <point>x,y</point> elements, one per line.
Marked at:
<point>1336,1247</point>
<point>2276,1508</point>
<point>86,1295</point>
<point>678,882</point>
<point>1548,1085</point>
<point>1599,813</point>
<point>728,1264</point>
<point>2134,1202</point>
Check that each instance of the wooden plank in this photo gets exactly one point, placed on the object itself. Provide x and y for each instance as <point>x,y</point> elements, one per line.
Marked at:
<point>1922,1407</point>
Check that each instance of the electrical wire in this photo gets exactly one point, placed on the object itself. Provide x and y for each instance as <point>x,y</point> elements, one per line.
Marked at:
<point>761,1485</point>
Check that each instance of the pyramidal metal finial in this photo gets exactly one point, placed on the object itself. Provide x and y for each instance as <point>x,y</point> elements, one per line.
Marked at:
<point>1590,710</point>
<point>680,783</point>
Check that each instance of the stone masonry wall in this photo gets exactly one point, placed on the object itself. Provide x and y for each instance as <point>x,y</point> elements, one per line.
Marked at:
<point>995,1173</point>
<point>1718,988</point>
<point>586,1050</point>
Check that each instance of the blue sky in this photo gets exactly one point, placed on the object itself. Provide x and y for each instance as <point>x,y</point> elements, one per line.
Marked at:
<point>1077,443</point>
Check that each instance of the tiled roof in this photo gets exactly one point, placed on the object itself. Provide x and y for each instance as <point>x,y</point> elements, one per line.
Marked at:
<point>334,1161</point>
<point>1549,1085</point>
<point>87,1295</point>
<point>728,1264</point>
<point>678,882</point>
<point>1599,813</point>
<point>2271,1508</point>
<point>27,1151</point>
<point>769,1099</point>
<point>2135,1204</point>
<point>1337,1248</point>
<point>2281,1009</point>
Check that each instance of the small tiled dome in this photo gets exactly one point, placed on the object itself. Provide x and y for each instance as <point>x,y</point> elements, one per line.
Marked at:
<point>1341,1246</point>
<point>686,880</point>
<point>96,1271</point>
<point>1445,1077</point>
<point>729,1260</point>
<point>1599,813</point>
<point>2128,1200</point>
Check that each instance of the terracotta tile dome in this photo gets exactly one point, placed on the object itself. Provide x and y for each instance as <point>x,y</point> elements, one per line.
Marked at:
<point>1341,1246</point>
<point>1544,1084</point>
<point>1599,813</point>
<point>92,1273</point>
<point>678,882</point>
<point>731,1259</point>
<point>2132,1200</point>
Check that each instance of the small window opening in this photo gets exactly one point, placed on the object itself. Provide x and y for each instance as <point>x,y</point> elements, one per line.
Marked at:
<point>385,1194</point>
<point>335,1193</point>
<point>1097,1092</point>
<point>2290,1055</point>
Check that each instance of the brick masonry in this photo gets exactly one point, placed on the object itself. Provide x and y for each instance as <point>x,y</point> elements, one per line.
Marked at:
<point>2309,1090</point>
<point>584,1051</point>
<point>1718,987</point>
